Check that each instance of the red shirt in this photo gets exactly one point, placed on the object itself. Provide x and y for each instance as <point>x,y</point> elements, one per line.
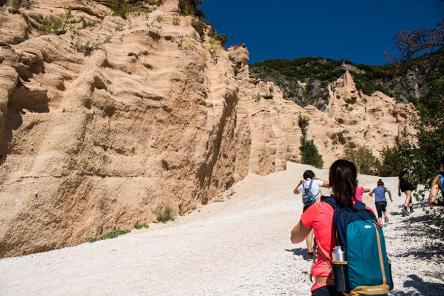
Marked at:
<point>320,217</point>
<point>359,192</point>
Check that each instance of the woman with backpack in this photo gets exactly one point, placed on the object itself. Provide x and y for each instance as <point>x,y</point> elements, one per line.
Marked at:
<point>310,187</point>
<point>380,201</point>
<point>437,184</point>
<point>353,235</point>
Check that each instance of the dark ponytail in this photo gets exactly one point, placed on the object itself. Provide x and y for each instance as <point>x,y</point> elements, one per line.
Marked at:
<point>343,180</point>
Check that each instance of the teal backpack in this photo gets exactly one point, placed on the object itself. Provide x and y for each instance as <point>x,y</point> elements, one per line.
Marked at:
<point>368,269</point>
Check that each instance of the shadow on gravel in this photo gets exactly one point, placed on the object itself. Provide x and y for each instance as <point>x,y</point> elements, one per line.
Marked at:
<point>420,227</point>
<point>300,252</point>
<point>422,287</point>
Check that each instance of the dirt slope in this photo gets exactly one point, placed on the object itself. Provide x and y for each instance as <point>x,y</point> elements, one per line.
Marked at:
<point>237,247</point>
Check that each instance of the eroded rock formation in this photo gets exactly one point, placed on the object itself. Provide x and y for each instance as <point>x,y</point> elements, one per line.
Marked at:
<point>103,119</point>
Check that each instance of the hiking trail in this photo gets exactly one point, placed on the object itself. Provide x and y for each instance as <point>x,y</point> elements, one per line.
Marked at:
<point>239,246</point>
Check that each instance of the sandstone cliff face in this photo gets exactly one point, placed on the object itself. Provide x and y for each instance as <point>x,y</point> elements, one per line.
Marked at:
<point>110,118</point>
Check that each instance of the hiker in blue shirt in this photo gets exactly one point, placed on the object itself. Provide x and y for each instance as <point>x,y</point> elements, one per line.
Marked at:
<point>381,201</point>
<point>437,184</point>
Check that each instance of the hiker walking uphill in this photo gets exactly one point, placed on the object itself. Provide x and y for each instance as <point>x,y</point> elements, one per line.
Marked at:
<point>380,201</point>
<point>405,186</point>
<point>310,187</point>
<point>350,255</point>
<point>437,184</point>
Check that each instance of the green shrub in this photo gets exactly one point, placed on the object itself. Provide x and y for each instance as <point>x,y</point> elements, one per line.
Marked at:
<point>391,162</point>
<point>56,24</point>
<point>141,226</point>
<point>52,25</point>
<point>120,7</point>
<point>365,82</point>
<point>124,7</point>
<point>176,21</point>
<point>113,234</point>
<point>191,7</point>
<point>164,214</point>
<point>364,159</point>
<point>310,154</point>
<point>303,122</point>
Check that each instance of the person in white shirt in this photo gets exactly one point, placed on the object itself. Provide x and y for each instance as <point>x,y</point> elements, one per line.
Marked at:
<point>310,187</point>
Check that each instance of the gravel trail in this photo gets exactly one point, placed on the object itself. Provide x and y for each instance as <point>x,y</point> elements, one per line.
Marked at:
<point>236,247</point>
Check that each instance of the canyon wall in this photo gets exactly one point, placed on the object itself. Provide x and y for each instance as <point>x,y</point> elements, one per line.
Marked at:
<point>104,119</point>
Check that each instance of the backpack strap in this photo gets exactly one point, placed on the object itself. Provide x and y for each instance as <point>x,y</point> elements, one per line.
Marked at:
<point>311,182</point>
<point>309,186</point>
<point>339,224</point>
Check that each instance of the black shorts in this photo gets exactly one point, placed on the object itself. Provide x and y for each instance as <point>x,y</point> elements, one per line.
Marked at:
<point>325,291</point>
<point>306,207</point>
<point>380,207</point>
<point>406,186</point>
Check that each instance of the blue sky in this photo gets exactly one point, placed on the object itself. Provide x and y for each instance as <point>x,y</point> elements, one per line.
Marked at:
<point>356,30</point>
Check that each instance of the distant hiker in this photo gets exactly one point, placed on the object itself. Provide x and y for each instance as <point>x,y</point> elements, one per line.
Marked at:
<point>310,187</point>
<point>359,192</point>
<point>360,240</point>
<point>405,185</point>
<point>381,201</point>
<point>437,184</point>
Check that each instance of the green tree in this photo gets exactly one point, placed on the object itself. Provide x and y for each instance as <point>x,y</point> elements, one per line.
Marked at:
<point>364,159</point>
<point>303,122</point>
<point>391,162</point>
<point>310,154</point>
<point>427,147</point>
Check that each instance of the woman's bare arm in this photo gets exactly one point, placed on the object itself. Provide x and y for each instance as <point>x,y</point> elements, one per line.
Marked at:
<point>399,186</point>
<point>389,193</point>
<point>434,191</point>
<point>299,233</point>
<point>296,190</point>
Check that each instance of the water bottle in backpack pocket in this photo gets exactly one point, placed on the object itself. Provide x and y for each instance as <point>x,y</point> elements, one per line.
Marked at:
<point>364,268</point>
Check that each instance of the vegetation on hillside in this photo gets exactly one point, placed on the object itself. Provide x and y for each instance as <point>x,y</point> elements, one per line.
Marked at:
<point>164,214</point>
<point>422,154</point>
<point>390,164</point>
<point>309,152</point>
<point>191,7</point>
<point>365,161</point>
<point>305,80</point>
<point>109,235</point>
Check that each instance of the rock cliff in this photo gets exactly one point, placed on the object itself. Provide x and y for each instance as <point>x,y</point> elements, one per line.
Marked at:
<point>105,118</point>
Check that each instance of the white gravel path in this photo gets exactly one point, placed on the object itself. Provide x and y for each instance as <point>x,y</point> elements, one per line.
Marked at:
<point>236,247</point>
